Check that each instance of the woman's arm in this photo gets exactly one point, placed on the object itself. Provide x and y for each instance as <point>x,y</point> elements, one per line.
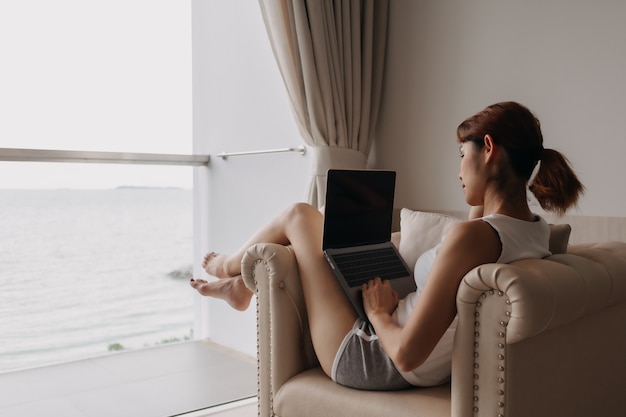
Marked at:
<point>466,246</point>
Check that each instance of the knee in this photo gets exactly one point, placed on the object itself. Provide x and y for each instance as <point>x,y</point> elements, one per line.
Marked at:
<point>301,212</point>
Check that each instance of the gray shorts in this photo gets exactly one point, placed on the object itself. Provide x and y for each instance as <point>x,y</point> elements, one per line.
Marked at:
<point>362,363</point>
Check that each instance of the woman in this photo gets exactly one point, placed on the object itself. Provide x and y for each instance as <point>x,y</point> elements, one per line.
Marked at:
<point>408,342</point>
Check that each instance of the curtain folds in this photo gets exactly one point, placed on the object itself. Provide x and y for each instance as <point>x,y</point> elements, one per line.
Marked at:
<point>331,55</point>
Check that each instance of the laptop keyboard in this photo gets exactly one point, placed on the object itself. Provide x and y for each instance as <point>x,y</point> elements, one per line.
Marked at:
<point>358,268</point>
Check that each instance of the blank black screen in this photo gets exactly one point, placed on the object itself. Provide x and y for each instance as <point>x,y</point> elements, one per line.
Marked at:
<point>359,207</point>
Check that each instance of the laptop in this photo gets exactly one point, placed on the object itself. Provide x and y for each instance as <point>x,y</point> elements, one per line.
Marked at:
<point>357,232</point>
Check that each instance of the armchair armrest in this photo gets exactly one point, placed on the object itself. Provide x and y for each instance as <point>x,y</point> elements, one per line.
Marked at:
<point>533,335</point>
<point>271,271</point>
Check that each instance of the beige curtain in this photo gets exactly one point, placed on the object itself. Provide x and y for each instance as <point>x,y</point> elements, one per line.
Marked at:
<point>331,54</point>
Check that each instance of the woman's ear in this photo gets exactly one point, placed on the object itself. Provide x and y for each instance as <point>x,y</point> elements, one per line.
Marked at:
<point>490,147</point>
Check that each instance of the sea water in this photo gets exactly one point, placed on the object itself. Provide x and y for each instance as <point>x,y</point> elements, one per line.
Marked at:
<point>87,272</point>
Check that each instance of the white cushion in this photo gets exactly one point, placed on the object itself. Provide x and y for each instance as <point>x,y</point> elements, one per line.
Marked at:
<point>421,231</point>
<point>559,237</point>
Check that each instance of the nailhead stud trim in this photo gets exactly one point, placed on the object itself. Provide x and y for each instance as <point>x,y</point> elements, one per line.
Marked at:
<point>501,347</point>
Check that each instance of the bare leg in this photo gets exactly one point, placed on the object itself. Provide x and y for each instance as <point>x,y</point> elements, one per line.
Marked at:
<point>224,266</point>
<point>330,313</point>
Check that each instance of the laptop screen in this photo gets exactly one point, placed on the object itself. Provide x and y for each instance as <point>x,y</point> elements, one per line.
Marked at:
<point>359,207</point>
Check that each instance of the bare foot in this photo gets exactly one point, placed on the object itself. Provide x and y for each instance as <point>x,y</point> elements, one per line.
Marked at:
<point>232,290</point>
<point>215,264</point>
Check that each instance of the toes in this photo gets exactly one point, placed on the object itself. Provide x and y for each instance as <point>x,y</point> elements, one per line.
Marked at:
<point>196,282</point>
<point>207,258</point>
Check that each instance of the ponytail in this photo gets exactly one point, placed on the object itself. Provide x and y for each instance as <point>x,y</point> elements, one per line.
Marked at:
<point>556,186</point>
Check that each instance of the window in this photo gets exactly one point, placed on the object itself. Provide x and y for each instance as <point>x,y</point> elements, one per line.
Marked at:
<point>97,76</point>
<point>94,256</point>
<point>87,272</point>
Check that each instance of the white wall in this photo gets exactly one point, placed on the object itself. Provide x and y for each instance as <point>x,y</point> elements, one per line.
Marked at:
<point>240,104</point>
<point>445,61</point>
<point>566,60</point>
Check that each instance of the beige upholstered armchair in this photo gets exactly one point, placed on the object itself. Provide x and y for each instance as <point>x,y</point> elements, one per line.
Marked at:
<point>535,338</point>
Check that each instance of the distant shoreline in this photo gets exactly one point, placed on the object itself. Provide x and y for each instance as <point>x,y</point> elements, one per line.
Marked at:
<point>142,187</point>
<point>121,187</point>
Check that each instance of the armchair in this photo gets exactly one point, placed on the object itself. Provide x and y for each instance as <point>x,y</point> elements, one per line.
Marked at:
<point>540,337</point>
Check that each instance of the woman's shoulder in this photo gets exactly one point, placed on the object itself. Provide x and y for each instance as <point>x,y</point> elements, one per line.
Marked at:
<point>466,245</point>
<point>470,228</point>
<point>473,236</point>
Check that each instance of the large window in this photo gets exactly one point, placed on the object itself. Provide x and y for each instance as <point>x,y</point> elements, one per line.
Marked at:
<point>96,75</point>
<point>88,272</point>
<point>94,257</point>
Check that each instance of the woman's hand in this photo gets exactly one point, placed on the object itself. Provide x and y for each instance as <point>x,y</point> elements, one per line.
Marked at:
<point>379,297</point>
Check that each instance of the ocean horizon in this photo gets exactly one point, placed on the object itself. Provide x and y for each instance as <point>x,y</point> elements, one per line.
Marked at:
<point>85,273</point>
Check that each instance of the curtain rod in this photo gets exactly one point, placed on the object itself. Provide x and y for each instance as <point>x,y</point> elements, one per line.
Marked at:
<point>301,150</point>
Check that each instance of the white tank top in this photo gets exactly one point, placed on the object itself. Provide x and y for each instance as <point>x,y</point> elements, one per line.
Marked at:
<point>519,239</point>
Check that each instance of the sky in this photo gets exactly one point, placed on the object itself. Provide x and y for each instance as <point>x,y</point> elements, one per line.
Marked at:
<point>98,76</point>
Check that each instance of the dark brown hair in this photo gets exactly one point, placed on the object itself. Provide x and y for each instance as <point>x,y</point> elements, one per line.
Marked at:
<point>512,126</point>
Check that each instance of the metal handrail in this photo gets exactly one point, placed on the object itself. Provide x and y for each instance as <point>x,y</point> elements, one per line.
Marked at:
<point>53,155</point>
<point>301,150</point>
<point>49,155</point>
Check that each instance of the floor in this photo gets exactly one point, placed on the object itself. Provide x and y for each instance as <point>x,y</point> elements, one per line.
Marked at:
<point>242,408</point>
<point>198,378</point>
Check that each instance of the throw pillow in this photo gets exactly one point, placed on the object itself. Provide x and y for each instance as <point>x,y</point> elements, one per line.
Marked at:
<point>559,237</point>
<point>420,231</point>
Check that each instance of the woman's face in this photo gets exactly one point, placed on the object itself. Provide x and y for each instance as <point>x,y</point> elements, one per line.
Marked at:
<point>471,180</point>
